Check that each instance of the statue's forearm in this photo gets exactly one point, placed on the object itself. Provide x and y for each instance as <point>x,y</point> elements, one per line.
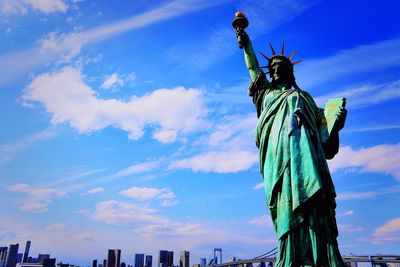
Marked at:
<point>250,59</point>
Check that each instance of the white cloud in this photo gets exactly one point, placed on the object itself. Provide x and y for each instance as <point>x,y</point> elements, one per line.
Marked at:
<point>36,192</point>
<point>229,148</point>
<point>34,207</point>
<point>22,6</point>
<point>165,195</point>
<point>220,162</point>
<point>74,102</point>
<point>95,190</point>
<point>263,220</point>
<point>258,186</point>
<point>66,46</point>
<point>165,136</point>
<point>115,212</point>
<point>112,80</point>
<point>379,158</point>
<point>358,59</point>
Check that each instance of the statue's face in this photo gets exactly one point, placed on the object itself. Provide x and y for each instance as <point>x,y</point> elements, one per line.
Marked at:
<point>280,71</point>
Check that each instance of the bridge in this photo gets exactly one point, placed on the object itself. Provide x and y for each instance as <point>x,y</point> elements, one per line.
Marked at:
<point>269,258</point>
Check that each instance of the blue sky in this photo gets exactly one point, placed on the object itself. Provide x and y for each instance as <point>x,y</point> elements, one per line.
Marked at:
<point>126,124</point>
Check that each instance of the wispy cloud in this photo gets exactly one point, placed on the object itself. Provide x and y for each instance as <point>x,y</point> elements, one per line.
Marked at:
<point>348,228</point>
<point>379,158</point>
<point>164,195</point>
<point>8,150</point>
<point>23,6</point>
<point>67,46</point>
<point>258,186</point>
<point>74,102</point>
<point>356,195</point>
<point>39,198</point>
<point>222,43</point>
<point>389,227</point>
<point>365,95</point>
<point>34,207</point>
<point>138,168</point>
<point>36,192</point>
<point>229,147</point>
<point>95,190</point>
<point>363,58</point>
<point>389,232</point>
<point>264,221</point>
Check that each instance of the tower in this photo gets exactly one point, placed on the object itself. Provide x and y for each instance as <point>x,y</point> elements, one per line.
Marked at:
<point>139,260</point>
<point>148,261</point>
<point>114,257</point>
<point>11,259</point>
<point>163,258</point>
<point>184,259</point>
<point>26,253</point>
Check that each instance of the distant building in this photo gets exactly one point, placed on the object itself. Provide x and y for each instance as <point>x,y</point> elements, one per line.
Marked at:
<point>19,257</point>
<point>163,258</point>
<point>42,257</point>
<point>114,257</point>
<point>3,256</point>
<point>203,262</point>
<point>123,264</point>
<point>44,263</point>
<point>148,261</point>
<point>11,259</point>
<point>26,253</point>
<point>184,259</point>
<point>94,263</point>
<point>170,259</point>
<point>104,263</point>
<point>139,260</point>
<point>196,265</point>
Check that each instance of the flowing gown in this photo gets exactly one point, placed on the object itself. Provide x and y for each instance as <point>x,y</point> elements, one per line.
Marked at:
<point>299,189</point>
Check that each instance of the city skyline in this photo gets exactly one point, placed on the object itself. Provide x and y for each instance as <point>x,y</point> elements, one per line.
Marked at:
<point>127,124</point>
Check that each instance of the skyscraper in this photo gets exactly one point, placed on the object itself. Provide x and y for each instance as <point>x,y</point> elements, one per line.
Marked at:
<point>139,260</point>
<point>94,263</point>
<point>11,259</point>
<point>163,258</point>
<point>170,259</point>
<point>26,254</point>
<point>184,259</point>
<point>3,255</point>
<point>148,261</point>
<point>114,257</point>
<point>203,262</point>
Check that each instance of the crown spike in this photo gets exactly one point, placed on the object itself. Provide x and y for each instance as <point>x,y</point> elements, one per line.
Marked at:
<point>283,49</point>
<point>296,62</point>
<point>267,58</point>
<point>272,49</point>
<point>292,54</point>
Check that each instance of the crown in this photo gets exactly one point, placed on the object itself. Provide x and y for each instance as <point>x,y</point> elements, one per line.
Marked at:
<point>282,55</point>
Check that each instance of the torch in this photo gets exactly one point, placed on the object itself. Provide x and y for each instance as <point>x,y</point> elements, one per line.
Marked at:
<point>240,23</point>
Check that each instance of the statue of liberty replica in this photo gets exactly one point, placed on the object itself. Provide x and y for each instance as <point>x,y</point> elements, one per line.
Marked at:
<point>295,138</point>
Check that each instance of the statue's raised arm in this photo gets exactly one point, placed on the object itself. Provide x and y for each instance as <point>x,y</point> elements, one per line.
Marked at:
<point>240,23</point>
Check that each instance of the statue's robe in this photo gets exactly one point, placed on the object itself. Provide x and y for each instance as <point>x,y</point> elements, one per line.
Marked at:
<point>299,189</point>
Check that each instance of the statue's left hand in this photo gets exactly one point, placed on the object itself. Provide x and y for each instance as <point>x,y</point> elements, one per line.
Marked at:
<point>340,119</point>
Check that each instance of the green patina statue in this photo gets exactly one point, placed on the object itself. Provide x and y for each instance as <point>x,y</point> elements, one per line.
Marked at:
<point>295,138</point>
